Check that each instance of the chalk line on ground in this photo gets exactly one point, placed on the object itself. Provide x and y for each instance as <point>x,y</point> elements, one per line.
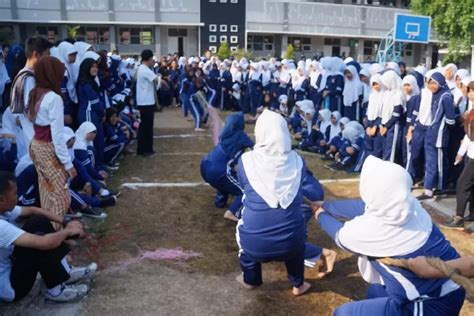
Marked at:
<point>180,136</point>
<point>183,154</point>
<point>138,185</point>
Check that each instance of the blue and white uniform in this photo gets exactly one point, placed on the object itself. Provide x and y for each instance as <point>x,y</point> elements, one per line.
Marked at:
<point>218,167</point>
<point>399,228</point>
<point>273,225</point>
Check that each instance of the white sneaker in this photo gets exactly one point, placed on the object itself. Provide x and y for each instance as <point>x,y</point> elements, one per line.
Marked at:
<point>81,273</point>
<point>69,294</point>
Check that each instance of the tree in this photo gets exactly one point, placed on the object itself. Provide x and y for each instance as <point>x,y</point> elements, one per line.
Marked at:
<point>6,35</point>
<point>72,31</point>
<point>224,51</point>
<point>289,53</point>
<point>242,53</point>
<point>453,22</point>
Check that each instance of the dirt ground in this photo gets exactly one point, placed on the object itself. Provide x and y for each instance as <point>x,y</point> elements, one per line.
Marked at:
<point>169,217</point>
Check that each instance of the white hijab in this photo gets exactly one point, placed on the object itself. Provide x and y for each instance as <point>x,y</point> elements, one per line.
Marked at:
<point>451,83</point>
<point>68,134</point>
<point>272,168</point>
<point>335,128</point>
<point>24,162</point>
<point>64,50</point>
<point>352,88</point>
<point>307,107</point>
<point>326,120</point>
<point>314,74</point>
<point>457,93</point>
<point>374,108</point>
<point>425,116</point>
<point>393,95</point>
<point>411,80</point>
<point>81,142</point>
<point>394,222</point>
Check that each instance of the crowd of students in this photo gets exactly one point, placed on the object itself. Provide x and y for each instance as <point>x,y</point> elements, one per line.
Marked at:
<point>70,113</point>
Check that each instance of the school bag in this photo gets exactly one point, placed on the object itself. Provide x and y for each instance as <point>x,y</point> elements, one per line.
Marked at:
<point>17,100</point>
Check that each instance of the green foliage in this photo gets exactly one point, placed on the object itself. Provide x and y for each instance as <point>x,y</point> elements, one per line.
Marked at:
<point>224,51</point>
<point>242,53</point>
<point>72,31</point>
<point>289,53</point>
<point>453,21</point>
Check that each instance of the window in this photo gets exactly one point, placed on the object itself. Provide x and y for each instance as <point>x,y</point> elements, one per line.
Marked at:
<point>300,43</point>
<point>369,47</point>
<point>332,42</point>
<point>93,35</point>
<point>223,38</point>
<point>212,28</point>
<point>223,27</point>
<point>223,1</point>
<point>234,1</point>
<point>234,39</point>
<point>260,42</point>
<point>234,28</point>
<point>213,49</point>
<point>233,48</point>
<point>136,35</point>
<point>408,50</point>
<point>212,38</point>
<point>212,0</point>
<point>178,32</point>
<point>49,32</point>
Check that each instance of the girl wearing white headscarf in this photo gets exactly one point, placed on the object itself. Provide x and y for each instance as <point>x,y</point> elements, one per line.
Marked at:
<point>315,79</point>
<point>413,99</point>
<point>352,93</point>
<point>334,85</point>
<point>317,133</point>
<point>392,110</point>
<point>374,141</point>
<point>272,227</point>
<point>448,72</point>
<point>390,222</point>
<point>336,142</point>
<point>457,92</point>
<point>300,84</point>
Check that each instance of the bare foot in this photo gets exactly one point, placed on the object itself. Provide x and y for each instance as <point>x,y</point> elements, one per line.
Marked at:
<point>297,291</point>
<point>240,279</point>
<point>228,215</point>
<point>189,119</point>
<point>199,129</point>
<point>329,258</point>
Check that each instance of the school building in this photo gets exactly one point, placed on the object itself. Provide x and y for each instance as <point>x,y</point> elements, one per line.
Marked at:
<point>330,27</point>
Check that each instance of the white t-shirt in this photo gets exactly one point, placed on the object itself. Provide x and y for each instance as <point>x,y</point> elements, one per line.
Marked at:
<point>146,86</point>
<point>51,112</point>
<point>9,232</point>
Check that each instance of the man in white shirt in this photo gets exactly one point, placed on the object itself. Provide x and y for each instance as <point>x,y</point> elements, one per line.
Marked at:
<point>148,82</point>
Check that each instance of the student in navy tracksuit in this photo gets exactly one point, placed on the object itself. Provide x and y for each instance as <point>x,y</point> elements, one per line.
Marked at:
<point>254,89</point>
<point>218,167</point>
<point>273,225</point>
<point>412,94</point>
<point>392,113</point>
<point>373,140</point>
<point>8,152</point>
<point>92,104</point>
<point>399,228</point>
<point>27,182</point>
<point>115,139</point>
<point>334,86</point>
<point>186,82</point>
<point>315,77</point>
<point>437,135</point>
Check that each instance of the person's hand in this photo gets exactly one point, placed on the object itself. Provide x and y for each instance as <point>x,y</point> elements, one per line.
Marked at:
<point>350,151</point>
<point>67,119</point>
<point>103,174</point>
<point>316,127</point>
<point>458,160</point>
<point>418,265</point>
<point>11,136</point>
<point>75,228</point>
<point>72,172</point>
<point>316,205</point>
<point>325,93</point>
<point>383,130</point>
<point>322,143</point>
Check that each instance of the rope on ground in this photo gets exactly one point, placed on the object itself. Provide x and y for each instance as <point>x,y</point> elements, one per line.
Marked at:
<point>440,265</point>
